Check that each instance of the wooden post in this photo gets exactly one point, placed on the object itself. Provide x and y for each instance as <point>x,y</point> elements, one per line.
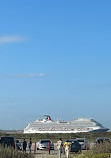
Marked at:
<point>34,147</point>
<point>49,147</point>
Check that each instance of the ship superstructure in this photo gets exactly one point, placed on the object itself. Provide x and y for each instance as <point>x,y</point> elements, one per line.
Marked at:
<point>47,125</point>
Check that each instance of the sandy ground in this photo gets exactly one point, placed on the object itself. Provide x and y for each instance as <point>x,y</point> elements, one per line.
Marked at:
<point>45,153</point>
<point>53,153</point>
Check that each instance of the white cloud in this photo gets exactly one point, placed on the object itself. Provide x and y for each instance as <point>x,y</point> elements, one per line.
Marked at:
<point>10,39</point>
<point>29,75</point>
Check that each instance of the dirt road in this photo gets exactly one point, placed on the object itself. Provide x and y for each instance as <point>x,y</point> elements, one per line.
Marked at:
<point>45,154</point>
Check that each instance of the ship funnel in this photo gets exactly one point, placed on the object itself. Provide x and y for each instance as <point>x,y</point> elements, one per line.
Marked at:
<point>48,117</point>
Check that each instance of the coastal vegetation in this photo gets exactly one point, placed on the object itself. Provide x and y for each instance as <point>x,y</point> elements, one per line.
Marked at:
<point>98,151</point>
<point>54,137</point>
<point>11,153</point>
<point>91,155</point>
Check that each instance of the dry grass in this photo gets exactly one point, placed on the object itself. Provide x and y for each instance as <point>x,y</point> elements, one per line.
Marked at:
<point>102,148</point>
<point>11,153</point>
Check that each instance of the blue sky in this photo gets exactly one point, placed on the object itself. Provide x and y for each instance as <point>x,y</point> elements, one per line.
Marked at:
<point>55,58</point>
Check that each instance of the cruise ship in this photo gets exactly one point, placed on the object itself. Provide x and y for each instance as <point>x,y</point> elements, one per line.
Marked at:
<point>47,125</point>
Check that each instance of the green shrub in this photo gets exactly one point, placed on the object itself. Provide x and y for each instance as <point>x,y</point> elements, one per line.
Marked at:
<point>102,148</point>
<point>99,151</point>
<point>91,155</point>
<point>11,153</point>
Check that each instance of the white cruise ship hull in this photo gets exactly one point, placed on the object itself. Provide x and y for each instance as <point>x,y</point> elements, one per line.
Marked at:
<point>75,126</point>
